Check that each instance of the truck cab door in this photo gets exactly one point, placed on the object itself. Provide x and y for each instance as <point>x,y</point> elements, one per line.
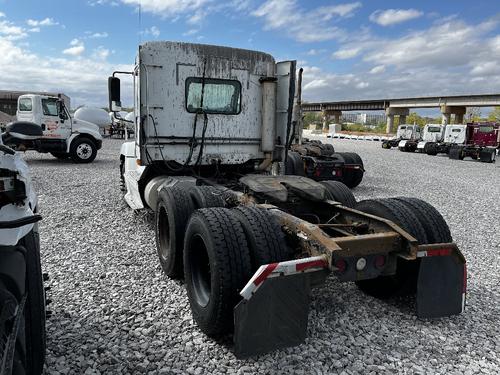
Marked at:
<point>53,126</point>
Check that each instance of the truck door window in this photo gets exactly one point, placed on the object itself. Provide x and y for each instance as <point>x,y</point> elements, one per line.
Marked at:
<point>220,96</point>
<point>456,130</point>
<point>434,129</point>
<point>49,107</point>
<point>25,104</point>
<point>485,129</point>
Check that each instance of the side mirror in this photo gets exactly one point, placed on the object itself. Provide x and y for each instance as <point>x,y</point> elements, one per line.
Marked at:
<point>114,94</point>
<point>60,110</point>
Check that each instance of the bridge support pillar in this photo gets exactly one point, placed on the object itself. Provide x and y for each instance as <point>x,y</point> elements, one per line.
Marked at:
<point>390,124</point>
<point>326,119</point>
<point>458,111</point>
<point>390,112</point>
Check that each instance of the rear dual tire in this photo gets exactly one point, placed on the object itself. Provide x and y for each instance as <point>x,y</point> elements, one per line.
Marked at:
<point>419,219</point>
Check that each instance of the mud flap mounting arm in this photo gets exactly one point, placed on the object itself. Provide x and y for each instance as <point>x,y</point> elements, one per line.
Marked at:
<point>442,281</point>
<point>274,310</point>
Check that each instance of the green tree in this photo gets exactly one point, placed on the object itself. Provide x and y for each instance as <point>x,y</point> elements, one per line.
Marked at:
<point>311,118</point>
<point>473,114</point>
<point>494,115</point>
<point>414,118</point>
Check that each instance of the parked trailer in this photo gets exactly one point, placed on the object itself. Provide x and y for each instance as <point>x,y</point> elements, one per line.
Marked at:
<point>249,240</point>
<point>481,142</point>
<point>405,132</point>
<point>453,135</point>
<point>22,296</point>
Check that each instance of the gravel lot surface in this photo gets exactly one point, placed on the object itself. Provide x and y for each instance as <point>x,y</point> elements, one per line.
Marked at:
<point>114,311</point>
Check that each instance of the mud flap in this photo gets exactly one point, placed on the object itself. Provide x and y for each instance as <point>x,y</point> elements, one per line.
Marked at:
<point>275,307</point>
<point>442,280</point>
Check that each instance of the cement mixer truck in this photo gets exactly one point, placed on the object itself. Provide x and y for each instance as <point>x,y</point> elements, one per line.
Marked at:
<point>44,124</point>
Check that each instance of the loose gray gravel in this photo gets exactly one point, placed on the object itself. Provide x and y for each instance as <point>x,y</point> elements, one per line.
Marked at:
<point>114,312</point>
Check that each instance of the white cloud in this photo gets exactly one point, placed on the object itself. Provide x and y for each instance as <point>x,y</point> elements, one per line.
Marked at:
<point>377,69</point>
<point>76,49</point>
<point>167,8</point>
<point>394,16</point>
<point>34,30</point>
<point>45,22</point>
<point>83,79</point>
<point>304,25</point>
<point>191,32</point>
<point>10,31</point>
<point>98,35</point>
<point>2,14</point>
<point>153,30</point>
<point>100,53</point>
<point>348,53</point>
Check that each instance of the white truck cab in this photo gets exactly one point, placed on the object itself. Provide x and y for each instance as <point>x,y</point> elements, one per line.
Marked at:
<point>432,133</point>
<point>44,124</point>
<point>455,134</point>
<point>407,132</point>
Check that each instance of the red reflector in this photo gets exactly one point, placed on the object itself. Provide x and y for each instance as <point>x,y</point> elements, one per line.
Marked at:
<point>313,264</point>
<point>341,264</point>
<point>438,252</point>
<point>267,271</point>
<point>379,261</point>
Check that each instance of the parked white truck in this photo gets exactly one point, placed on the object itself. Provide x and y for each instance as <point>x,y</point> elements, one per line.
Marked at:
<point>22,296</point>
<point>209,157</point>
<point>44,124</point>
<point>404,133</point>
<point>453,135</point>
<point>433,133</point>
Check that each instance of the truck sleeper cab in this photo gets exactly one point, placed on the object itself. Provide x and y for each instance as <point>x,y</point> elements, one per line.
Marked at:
<point>481,143</point>
<point>209,159</point>
<point>432,133</point>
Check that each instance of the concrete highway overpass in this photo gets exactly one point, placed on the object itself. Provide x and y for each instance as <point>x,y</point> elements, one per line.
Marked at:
<point>448,105</point>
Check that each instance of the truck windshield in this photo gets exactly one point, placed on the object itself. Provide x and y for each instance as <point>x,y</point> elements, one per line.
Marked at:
<point>49,106</point>
<point>485,129</point>
<point>25,104</point>
<point>220,96</point>
<point>434,129</point>
<point>456,130</point>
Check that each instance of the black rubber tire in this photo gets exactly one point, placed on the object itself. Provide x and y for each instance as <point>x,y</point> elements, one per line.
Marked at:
<point>88,144</point>
<point>30,343</point>
<point>386,145</point>
<point>339,192</point>
<point>404,282</point>
<point>352,177</point>
<point>294,164</point>
<point>60,155</point>
<point>123,187</point>
<point>266,240</point>
<point>330,149</point>
<point>216,267</point>
<point>35,305</point>
<point>436,228</point>
<point>456,152</point>
<point>173,209</point>
<point>431,149</point>
<point>205,197</point>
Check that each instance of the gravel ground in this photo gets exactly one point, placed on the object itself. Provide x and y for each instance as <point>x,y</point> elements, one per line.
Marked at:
<point>115,312</point>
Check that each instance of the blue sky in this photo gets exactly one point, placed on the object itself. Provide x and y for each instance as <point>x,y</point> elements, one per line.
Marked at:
<point>349,49</point>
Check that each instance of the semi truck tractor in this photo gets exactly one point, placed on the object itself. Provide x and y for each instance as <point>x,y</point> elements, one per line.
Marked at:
<point>22,295</point>
<point>481,143</point>
<point>44,124</point>
<point>453,135</point>
<point>432,133</point>
<point>209,159</point>
<point>405,132</point>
